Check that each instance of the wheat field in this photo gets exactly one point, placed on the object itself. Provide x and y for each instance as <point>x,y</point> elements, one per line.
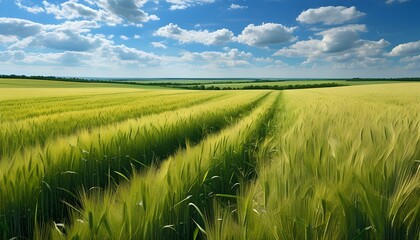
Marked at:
<point>120,162</point>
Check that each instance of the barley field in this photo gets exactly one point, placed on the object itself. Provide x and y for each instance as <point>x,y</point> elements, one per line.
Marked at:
<point>107,161</point>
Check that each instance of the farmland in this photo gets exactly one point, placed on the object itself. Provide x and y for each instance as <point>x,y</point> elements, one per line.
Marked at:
<point>292,82</point>
<point>117,161</point>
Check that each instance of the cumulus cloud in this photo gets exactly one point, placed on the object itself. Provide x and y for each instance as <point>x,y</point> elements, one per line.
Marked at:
<point>21,43</point>
<point>106,55</point>
<point>340,44</point>
<point>329,15</point>
<point>125,38</point>
<point>33,9</point>
<point>158,45</point>
<point>305,48</point>
<point>125,53</point>
<point>412,62</point>
<point>66,58</point>
<point>341,38</point>
<point>12,56</point>
<point>129,10</point>
<point>230,58</point>
<point>333,40</point>
<point>70,36</point>
<point>8,39</point>
<point>183,4</point>
<point>71,10</point>
<point>83,26</point>
<point>236,7</point>
<point>112,12</point>
<point>18,27</point>
<point>261,35</point>
<point>205,37</point>
<point>411,59</point>
<point>68,41</point>
<point>266,34</point>
<point>406,49</point>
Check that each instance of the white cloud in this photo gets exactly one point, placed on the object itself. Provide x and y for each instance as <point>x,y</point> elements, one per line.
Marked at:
<point>365,53</point>
<point>305,48</point>
<point>230,58</point>
<point>33,9</point>
<point>333,40</point>
<point>66,58</point>
<point>20,44</point>
<point>112,12</point>
<point>398,1</point>
<point>136,36</point>
<point>73,38</point>
<point>205,37</point>
<point>177,7</point>
<point>83,26</point>
<point>129,10</point>
<point>68,36</point>
<point>122,52</point>
<point>411,59</point>
<point>18,27</point>
<point>236,7</point>
<point>405,49</point>
<point>341,38</point>
<point>158,45</point>
<point>68,41</point>
<point>329,15</point>
<point>338,45</point>
<point>183,4</point>
<point>72,10</point>
<point>266,34</point>
<point>104,56</point>
<point>12,56</point>
<point>125,38</point>
<point>412,62</point>
<point>264,60</point>
<point>8,39</point>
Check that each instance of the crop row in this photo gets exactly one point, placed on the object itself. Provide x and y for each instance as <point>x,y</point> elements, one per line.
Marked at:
<point>342,164</point>
<point>169,202</point>
<point>66,119</point>
<point>23,108</point>
<point>41,182</point>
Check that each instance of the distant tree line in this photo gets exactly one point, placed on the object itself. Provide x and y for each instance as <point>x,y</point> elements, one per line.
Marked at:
<point>203,85</point>
<point>273,87</point>
<point>413,79</point>
<point>72,79</point>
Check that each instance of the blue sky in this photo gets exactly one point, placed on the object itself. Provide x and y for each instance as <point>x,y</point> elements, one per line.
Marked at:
<point>211,38</point>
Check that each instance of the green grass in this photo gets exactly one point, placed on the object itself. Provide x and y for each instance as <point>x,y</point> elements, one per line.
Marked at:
<point>117,162</point>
